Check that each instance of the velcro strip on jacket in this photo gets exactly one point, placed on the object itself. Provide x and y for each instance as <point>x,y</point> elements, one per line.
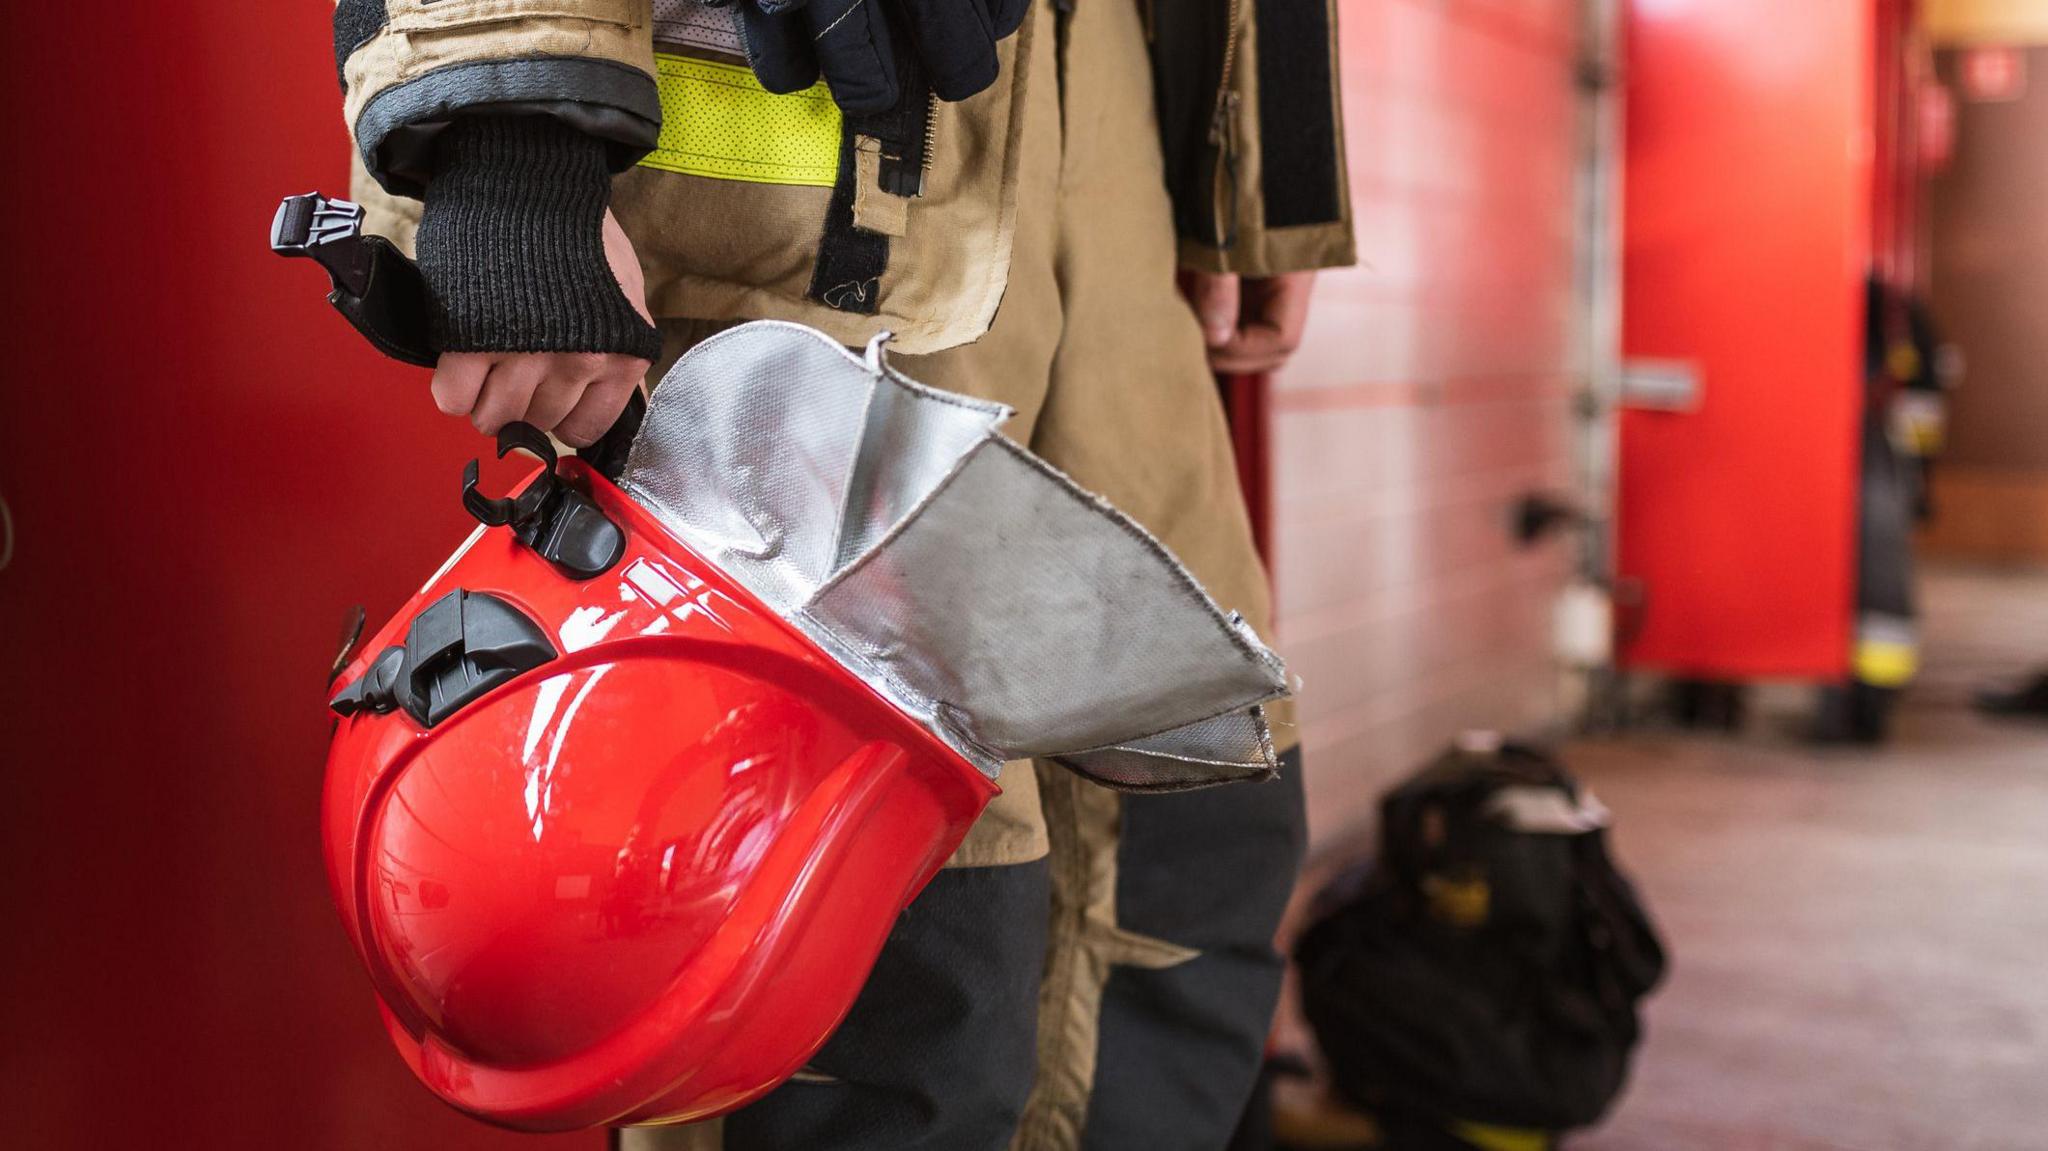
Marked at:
<point>718,122</point>
<point>852,258</point>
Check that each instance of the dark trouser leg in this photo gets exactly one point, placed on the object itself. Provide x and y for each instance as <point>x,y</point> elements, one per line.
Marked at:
<point>1180,1046</point>
<point>937,1054</point>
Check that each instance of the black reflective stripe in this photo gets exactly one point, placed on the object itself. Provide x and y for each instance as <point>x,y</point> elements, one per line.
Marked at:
<point>356,23</point>
<point>614,102</point>
<point>1297,114</point>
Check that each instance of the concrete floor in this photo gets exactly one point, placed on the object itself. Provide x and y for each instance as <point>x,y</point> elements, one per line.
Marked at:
<point>1859,937</point>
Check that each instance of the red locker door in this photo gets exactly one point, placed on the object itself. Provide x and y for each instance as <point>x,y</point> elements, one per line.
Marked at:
<point>1745,245</point>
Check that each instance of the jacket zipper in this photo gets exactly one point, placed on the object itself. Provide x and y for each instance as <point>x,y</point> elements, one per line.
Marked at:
<point>1222,129</point>
<point>1225,98</point>
<point>1223,137</point>
<point>907,147</point>
<point>931,140</point>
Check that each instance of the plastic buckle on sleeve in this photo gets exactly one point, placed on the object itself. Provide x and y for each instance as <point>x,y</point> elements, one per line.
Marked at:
<point>327,231</point>
<point>376,289</point>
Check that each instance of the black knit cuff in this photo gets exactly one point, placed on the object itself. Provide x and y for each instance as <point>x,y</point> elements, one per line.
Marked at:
<point>512,242</point>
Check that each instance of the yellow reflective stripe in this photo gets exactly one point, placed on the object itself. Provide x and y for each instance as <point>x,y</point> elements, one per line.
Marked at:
<point>1490,1138</point>
<point>717,121</point>
<point>1885,663</point>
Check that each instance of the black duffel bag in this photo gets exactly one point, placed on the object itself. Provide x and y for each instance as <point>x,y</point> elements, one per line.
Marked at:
<point>1485,971</point>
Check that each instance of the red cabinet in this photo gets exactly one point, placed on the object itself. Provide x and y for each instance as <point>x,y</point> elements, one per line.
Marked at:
<point>1746,242</point>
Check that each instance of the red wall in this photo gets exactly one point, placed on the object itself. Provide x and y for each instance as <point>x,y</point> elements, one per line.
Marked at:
<point>1747,237</point>
<point>204,470</point>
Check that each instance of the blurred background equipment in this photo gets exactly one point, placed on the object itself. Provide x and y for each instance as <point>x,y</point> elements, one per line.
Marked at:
<point>1886,650</point>
<point>1476,986</point>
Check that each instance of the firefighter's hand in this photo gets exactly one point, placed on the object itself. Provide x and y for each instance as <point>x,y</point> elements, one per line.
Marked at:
<point>575,395</point>
<point>1250,325</point>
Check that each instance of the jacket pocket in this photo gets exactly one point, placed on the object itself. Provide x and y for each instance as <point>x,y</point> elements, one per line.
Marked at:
<point>909,234</point>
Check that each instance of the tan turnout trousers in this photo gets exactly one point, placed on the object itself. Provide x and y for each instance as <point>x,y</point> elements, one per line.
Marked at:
<point>1094,970</point>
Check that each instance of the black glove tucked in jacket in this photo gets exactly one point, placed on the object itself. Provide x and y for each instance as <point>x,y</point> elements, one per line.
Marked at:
<point>792,42</point>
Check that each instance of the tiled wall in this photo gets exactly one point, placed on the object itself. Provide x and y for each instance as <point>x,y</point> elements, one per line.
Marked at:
<point>1432,390</point>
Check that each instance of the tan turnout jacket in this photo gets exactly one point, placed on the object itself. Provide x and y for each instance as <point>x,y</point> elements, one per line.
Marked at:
<point>747,206</point>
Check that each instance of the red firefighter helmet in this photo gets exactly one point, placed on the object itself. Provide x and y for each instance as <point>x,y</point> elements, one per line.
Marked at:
<point>619,829</point>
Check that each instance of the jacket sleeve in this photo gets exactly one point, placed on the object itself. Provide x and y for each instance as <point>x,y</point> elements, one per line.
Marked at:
<point>1253,126</point>
<point>411,67</point>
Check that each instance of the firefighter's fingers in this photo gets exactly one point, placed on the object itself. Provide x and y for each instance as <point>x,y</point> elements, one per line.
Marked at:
<point>458,377</point>
<point>598,410</point>
<point>508,390</point>
<point>1276,315</point>
<point>558,392</point>
<point>1254,350</point>
<point>1282,301</point>
<point>1214,297</point>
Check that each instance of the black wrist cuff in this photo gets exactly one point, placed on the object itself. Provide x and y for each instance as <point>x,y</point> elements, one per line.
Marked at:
<point>512,242</point>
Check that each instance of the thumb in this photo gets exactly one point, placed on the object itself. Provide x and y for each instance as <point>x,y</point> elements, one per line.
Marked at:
<point>625,262</point>
<point>1214,296</point>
